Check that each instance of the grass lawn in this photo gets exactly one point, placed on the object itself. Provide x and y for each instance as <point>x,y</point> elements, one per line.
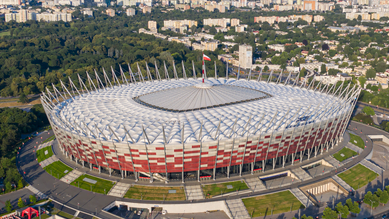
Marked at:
<point>40,154</point>
<point>5,33</point>
<point>346,152</point>
<point>98,187</point>
<point>44,216</point>
<point>65,215</point>
<point>218,189</point>
<point>356,140</point>
<point>57,169</point>
<point>155,193</point>
<point>49,139</point>
<point>280,202</point>
<point>358,176</point>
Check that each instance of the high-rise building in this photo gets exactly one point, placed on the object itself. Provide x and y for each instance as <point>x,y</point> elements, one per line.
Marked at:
<point>10,2</point>
<point>222,22</point>
<point>130,11</point>
<point>310,5</point>
<point>245,56</point>
<point>152,25</point>
<point>235,22</point>
<point>178,23</point>
<point>110,12</point>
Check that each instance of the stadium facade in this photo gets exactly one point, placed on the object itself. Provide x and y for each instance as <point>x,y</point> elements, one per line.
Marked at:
<point>182,129</point>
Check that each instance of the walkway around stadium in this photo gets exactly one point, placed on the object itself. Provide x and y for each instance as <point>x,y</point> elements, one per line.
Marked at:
<point>94,203</point>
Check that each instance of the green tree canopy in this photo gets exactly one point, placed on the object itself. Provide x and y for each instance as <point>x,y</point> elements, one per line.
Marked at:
<point>384,197</point>
<point>23,98</point>
<point>328,213</point>
<point>362,81</point>
<point>32,199</point>
<point>353,206</point>
<point>368,111</point>
<point>8,206</point>
<point>20,203</point>
<point>371,73</point>
<point>342,210</point>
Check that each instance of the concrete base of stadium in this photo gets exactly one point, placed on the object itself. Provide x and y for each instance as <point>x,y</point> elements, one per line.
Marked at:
<point>298,165</point>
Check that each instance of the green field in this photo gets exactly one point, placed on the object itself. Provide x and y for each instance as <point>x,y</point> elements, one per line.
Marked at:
<point>358,176</point>
<point>218,189</point>
<point>43,216</point>
<point>57,169</point>
<point>280,202</point>
<point>346,152</point>
<point>98,187</point>
<point>356,140</point>
<point>155,193</point>
<point>5,33</point>
<point>49,139</point>
<point>40,154</point>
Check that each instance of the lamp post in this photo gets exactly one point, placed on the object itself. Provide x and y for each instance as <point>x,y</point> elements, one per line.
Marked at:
<point>371,212</point>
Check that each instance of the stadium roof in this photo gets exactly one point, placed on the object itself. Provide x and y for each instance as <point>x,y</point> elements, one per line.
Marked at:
<point>200,96</point>
<point>108,113</point>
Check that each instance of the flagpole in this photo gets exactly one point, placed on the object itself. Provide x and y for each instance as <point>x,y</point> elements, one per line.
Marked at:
<point>203,68</point>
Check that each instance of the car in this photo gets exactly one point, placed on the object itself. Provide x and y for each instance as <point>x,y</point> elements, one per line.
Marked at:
<point>383,216</point>
<point>139,212</point>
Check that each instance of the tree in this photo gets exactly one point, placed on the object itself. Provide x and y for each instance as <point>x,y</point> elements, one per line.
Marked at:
<point>328,213</point>
<point>306,217</point>
<point>384,197</point>
<point>305,42</point>
<point>212,30</point>
<point>371,199</point>
<point>332,53</point>
<point>23,98</point>
<point>332,71</point>
<point>371,73</point>
<point>8,206</point>
<point>20,203</point>
<point>370,112</point>
<point>303,72</point>
<point>32,199</point>
<point>323,69</point>
<point>353,206</point>
<point>342,210</point>
<point>8,186</point>
<point>325,47</point>
<point>381,66</point>
<point>359,18</point>
<point>266,68</point>
<point>20,184</point>
<point>362,81</point>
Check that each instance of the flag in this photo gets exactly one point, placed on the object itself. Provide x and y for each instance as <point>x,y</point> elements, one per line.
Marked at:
<point>206,58</point>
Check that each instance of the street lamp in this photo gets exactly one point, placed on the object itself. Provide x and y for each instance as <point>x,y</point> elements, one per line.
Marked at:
<point>371,212</point>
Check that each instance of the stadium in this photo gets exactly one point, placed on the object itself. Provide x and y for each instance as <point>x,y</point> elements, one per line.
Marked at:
<point>187,129</point>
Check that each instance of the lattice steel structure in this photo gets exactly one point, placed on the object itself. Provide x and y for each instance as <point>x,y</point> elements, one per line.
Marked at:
<point>180,129</point>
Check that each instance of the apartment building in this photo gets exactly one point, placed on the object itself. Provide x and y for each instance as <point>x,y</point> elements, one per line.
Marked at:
<point>210,45</point>
<point>222,22</point>
<point>110,12</point>
<point>245,56</point>
<point>178,23</point>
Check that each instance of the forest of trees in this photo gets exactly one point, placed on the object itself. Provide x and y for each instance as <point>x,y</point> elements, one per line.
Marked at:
<point>13,123</point>
<point>38,54</point>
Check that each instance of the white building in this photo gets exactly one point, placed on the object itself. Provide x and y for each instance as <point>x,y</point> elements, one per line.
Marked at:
<point>277,47</point>
<point>332,79</point>
<point>245,56</point>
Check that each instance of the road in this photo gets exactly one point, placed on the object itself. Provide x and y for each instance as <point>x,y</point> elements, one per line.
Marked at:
<point>14,197</point>
<point>92,203</point>
<point>62,192</point>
